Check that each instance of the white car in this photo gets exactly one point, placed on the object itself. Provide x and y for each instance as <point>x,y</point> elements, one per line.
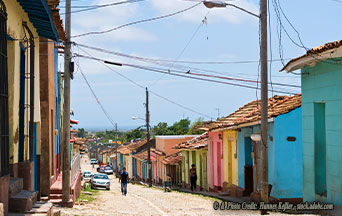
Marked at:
<point>87,177</point>
<point>108,170</point>
<point>100,181</point>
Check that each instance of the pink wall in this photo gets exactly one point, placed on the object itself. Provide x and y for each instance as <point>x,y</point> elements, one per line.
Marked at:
<point>217,165</point>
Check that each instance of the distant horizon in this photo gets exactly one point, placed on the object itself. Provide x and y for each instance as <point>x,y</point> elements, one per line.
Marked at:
<point>103,128</point>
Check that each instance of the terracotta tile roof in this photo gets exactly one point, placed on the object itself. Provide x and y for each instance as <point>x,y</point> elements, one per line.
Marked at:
<point>124,150</point>
<point>73,121</point>
<point>135,145</point>
<point>173,159</point>
<point>315,54</point>
<point>58,22</point>
<point>250,112</point>
<point>157,152</point>
<point>143,154</point>
<point>198,142</point>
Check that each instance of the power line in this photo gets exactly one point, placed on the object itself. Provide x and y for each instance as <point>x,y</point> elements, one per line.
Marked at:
<point>179,61</point>
<point>137,22</point>
<point>177,74</point>
<point>152,92</point>
<point>93,7</point>
<point>161,62</point>
<point>96,98</point>
<point>183,68</point>
<point>187,44</point>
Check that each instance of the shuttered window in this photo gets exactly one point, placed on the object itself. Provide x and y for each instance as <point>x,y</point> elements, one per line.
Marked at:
<point>4,127</point>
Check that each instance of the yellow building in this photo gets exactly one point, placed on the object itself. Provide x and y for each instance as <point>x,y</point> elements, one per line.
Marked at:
<point>23,23</point>
<point>230,157</point>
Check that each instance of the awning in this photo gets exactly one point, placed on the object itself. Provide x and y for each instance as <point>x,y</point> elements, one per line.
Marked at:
<point>73,121</point>
<point>40,15</point>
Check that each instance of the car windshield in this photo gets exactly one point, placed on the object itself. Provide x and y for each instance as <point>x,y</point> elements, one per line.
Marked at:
<point>87,175</point>
<point>100,177</point>
<point>87,172</point>
<point>108,168</point>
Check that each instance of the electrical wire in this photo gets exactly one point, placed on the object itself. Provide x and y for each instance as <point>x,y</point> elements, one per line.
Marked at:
<point>279,11</point>
<point>160,62</point>
<point>182,68</point>
<point>187,44</point>
<point>96,98</point>
<point>271,51</point>
<point>137,22</point>
<point>177,61</point>
<point>152,92</point>
<point>90,7</point>
<point>176,74</point>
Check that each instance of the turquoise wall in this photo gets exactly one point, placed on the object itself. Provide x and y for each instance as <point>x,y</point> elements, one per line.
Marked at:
<point>323,83</point>
<point>287,173</point>
<point>284,157</point>
<point>243,135</point>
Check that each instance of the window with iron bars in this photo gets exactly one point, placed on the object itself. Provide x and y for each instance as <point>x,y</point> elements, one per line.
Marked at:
<point>4,125</point>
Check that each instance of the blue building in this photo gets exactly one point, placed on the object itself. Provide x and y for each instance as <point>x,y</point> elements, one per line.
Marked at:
<point>285,170</point>
<point>321,76</point>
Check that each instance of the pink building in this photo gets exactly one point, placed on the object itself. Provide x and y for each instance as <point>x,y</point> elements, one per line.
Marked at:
<point>215,161</point>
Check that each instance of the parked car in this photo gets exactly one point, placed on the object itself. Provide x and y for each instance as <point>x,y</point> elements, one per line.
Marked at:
<point>100,169</point>
<point>86,172</point>
<point>87,177</point>
<point>100,181</point>
<point>93,161</point>
<point>108,170</point>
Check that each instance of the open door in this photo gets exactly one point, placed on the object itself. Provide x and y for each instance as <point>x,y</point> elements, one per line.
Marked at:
<point>248,169</point>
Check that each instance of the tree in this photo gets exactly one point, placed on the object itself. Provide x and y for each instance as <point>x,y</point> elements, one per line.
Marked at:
<point>134,134</point>
<point>180,128</point>
<point>81,133</point>
<point>194,125</point>
<point>160,129</point>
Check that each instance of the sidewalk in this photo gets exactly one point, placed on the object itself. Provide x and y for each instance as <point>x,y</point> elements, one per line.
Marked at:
<point>214,195</point>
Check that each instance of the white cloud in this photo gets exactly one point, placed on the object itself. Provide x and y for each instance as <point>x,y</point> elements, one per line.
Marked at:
<point>107,18</point>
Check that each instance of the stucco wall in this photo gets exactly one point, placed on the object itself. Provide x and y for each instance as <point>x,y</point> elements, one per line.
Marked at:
<point>287,174</point>
<point>245,133</point>
<point>323,83</point>
<point>16,17</point>
<point>230,157</point>
<point>165,143</point>
<point>217,163</point>
<point>48,163</point>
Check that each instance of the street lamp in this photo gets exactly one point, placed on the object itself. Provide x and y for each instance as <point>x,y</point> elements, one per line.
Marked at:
<point>264,85</point>
<point>221,4</point>
<point>135,118</point>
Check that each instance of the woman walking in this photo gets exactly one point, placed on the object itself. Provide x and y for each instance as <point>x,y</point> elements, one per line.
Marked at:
<point>193,177</point>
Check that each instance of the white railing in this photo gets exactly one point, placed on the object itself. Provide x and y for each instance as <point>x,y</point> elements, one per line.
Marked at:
<point>75,167</point>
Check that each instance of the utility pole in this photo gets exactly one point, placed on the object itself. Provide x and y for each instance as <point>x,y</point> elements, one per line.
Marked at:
<point>218,113</point>
<point>66,108</point>
<point>116,147</point>
<point>148,141</point>
<point>264,101</point>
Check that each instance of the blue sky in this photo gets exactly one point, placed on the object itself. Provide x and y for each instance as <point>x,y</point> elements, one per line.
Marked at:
<point>228,35</point>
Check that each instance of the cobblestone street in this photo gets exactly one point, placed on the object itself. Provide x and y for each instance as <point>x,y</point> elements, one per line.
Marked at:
<point>142,200</point>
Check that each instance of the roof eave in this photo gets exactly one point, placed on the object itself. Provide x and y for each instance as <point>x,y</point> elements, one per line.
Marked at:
<point>311,59</point>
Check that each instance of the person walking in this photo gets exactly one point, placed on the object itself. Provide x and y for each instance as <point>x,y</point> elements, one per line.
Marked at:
<point>124,180</point>
<point>193,177</point>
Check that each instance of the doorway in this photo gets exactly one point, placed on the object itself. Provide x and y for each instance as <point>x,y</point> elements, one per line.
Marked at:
<point>248,168</point>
